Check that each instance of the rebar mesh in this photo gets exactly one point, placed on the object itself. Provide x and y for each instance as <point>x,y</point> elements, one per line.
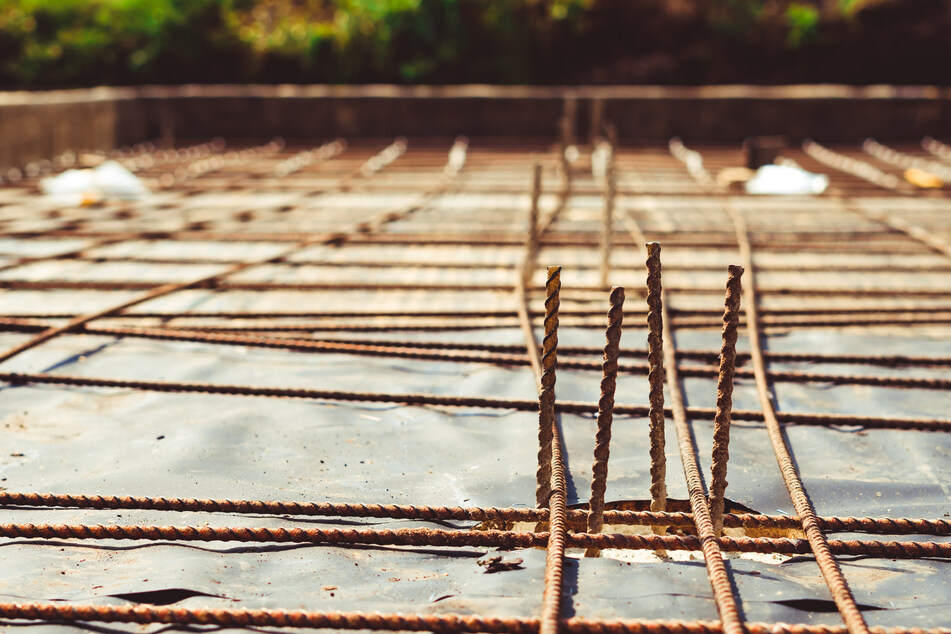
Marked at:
<point>396,250</point>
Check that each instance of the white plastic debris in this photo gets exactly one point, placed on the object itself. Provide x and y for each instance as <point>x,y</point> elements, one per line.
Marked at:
<point>786,179</point>
<point>88,186</point>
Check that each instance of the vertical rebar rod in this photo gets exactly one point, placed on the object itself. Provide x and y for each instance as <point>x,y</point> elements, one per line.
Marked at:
<point>557,501</point>
<point>655,377</point>
<point>610,131</point>
<point>570,117</point>
<point>602,443</point>
<point>607,221</point>
<point>596,121</point>
<point>536,227</point>
<point>566,134</point>
<point>531,239</point>
<point>721,421</point>
<point>546,397</point>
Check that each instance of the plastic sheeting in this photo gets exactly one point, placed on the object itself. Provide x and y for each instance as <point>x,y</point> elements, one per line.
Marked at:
<point>87,441</point>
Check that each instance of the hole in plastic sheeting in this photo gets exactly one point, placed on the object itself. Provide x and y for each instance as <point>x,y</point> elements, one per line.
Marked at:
<point>823,606</point>
<point>163,597</point>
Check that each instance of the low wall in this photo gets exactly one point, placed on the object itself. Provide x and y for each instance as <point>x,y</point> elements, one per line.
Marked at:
<point>37,125</point>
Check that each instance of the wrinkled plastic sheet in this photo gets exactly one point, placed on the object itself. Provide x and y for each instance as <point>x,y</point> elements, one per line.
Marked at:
<point>129,442</point>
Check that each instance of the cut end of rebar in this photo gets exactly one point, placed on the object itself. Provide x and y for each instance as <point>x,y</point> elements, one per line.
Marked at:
<point>617,295</point>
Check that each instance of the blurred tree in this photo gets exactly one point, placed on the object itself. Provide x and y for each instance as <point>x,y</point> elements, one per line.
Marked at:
<point>83,42</point>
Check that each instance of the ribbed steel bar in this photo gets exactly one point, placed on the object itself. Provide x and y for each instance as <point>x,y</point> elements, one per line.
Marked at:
<point>440,623</point>
<point>602,442</point>
<point>881,525</point>
<point>186,332</point>
<point>431,537</point>
<point>721,429</point>
<point>224,286</point>
<point>81,255</point>
<point>558,490</point>
<point>571,407</point>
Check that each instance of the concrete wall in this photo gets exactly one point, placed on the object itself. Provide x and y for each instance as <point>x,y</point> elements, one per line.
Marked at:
<point>43,124</point>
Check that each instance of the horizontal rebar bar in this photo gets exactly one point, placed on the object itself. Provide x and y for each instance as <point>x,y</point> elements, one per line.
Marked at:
<point>881,525</point>
<point>472,538</point>
<point>19,378</point>
<point>440,623</point>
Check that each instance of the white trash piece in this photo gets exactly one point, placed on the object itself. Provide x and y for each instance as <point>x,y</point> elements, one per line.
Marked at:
<point>786,179</point>
<point>83,187</point>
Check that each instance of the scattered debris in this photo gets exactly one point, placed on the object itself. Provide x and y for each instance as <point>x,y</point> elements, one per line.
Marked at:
<point>91,186</point>
<point>785,179</point>
<point>923,179</point>
<point>498,563</point>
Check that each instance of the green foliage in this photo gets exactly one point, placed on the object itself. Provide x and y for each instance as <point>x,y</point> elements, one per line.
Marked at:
<point>803,23</point>
<point>55,42</point>
<point>61,41</point>
<point>82,42</point>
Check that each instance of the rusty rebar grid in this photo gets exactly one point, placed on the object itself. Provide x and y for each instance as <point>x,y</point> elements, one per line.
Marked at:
<point>882,307</point>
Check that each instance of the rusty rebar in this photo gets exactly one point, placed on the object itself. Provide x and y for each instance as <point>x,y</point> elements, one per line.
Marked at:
<point>721,422</point>
<point>558,489</point>
<point>607,226</point>
<point>602,446</point>
<point>567,134</point>
<point>432,537</point>
<point>881,525</point>
<point>572,407</point>
<point>445,623</point>
<point>531,239</point>
<point>546,398</point>
<point>655,356</point>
